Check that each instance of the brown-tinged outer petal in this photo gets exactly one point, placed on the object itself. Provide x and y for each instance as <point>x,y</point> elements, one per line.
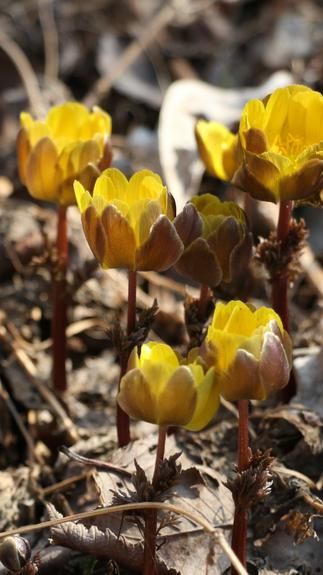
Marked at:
<point>106,159</point>
<point>43,177</point>
<point>177,400</point>
<point>250,378</point>
<point>162,249</point>
<point>87,178</point>
<point>23,152</point>
<point>188,224</point>
<point>222,242</point>
<point>135,397</point>
<point>242,379</point>
<point>94,233</point>
<point>241,255</point>
<point>120,240</point>
<point>274,366</point>
<point>255,141</point>
<point>304,183</point>
<point>171,206</point>
<point>199,263</point>
<point>258,177</point>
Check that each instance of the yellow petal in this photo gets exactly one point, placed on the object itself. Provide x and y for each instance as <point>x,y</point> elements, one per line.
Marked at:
<point>137,179</point>
<point>137,398</point>
<point>42,172</point>
<point>23,152</point>
<point>159,352</point>
<point>264,315</point>
<point>121,243</point>
<point>66,120</point>
<point>217,148</point>
<point>83,197</point>
<point>177,398</point>
<point>111,187</point>
<point>208,401</point>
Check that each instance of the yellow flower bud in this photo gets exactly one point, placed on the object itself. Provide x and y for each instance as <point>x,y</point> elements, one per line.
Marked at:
<point>70,143</point>
<point>278,154</point>
<point>128,224</point>
<point>160,388</point>
<point>249,349</point>
<point>216,238</point>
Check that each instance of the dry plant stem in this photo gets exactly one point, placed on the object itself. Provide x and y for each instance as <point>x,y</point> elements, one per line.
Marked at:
<point>203,300</point>
<point>239,531</point>
<point>150,533</point>
<point>59,305</point>
<point>217,535</point>
<point>280,290</point>
<point>123,423</point>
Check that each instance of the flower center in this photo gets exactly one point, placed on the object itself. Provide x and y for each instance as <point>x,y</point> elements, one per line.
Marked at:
<point>289,146</point>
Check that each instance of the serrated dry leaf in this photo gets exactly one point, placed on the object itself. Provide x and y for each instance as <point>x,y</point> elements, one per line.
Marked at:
<point>191,493</point>
<point>183,546</point>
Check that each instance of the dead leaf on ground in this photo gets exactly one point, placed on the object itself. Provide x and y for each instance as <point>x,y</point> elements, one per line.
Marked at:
<point>178,538</point>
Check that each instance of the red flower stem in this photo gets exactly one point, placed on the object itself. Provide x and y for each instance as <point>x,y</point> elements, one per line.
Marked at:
<point>150,534</point>
<point>280,290</point>
<point>280,283</point>
<point>203,300</point>
<point>123,423</point>
<point>59,304</point>
<point>239,531</point>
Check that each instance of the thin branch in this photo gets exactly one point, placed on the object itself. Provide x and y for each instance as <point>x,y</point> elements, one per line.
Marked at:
<point>26,72</point>
<point>130,55</point>
<point>50,39</point>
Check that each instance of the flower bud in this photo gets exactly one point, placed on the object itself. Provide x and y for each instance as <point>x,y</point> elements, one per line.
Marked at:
<point>249,350</point>
<point>161,388</point>
<point>70,143</point>
<point>216,238</point>
<point>128,224</point>
<point>15,553</point>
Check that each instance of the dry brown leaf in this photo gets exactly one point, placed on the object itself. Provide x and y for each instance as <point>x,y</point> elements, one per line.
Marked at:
<point>177,538</point>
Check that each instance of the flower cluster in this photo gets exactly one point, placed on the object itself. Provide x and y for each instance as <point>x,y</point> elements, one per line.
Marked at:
<point>277,153</point>
<point>246,355</point>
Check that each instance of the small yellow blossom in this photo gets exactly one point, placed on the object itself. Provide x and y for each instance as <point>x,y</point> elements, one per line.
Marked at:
<point>278,154</point>
<point>217,241</point>
<point>128,224</point>
<point>71,142</point>
<point>218,148</point>
<point>249,349</point>
<point>161,388</point>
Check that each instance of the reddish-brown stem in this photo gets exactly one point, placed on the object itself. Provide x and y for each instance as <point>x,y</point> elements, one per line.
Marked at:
<point>150,534</point>
<point>123,423</point>
<point>239,531</point>
<point>59,304</point>
<point>280,290</point>
<point>203,300</point>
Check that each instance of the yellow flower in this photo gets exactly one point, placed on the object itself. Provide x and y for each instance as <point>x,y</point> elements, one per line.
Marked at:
<point>218,149</point>
<point>70,143</point>
<point>128,224</point>
<point>160,389</point>
<point>249,349</point>
<point>279,152</point>
<point>217,242</point>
